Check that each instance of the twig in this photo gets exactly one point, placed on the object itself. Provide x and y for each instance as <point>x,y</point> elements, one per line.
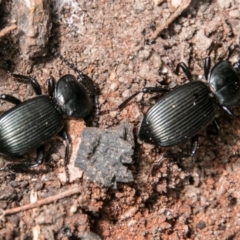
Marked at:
<point>43,201</point>
<point>179,10</point>
<point>7,30</point>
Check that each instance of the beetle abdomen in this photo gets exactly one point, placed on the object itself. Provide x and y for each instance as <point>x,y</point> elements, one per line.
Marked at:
<point>28,125</point>
<point>178,115</point>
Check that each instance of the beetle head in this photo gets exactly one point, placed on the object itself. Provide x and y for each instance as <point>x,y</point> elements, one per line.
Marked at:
<point>224,81</point>
<point>73,97</point>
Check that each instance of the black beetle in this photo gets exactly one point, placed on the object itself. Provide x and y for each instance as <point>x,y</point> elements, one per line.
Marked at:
<point>29,124</point>
<point>181,113</point>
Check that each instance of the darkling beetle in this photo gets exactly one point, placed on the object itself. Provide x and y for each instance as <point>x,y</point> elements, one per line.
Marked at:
<point>181,113</point>
<point>29,124</point>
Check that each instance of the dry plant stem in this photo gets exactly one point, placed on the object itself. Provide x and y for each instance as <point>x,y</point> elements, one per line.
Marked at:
<point>178,11</point>
<point>7,30</point>
<point>43,201</point>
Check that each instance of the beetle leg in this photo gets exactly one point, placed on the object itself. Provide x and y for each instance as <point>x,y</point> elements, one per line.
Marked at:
<point>65,137</point>
<point>190,153</point>
<point>216,126</point>
<point>125,102</point>
<point>51,86</point>
<point>40,156</point>
<point>228,111</point>
<point>34,82</point>
<point>194,145</point>
<point>185,69</point>
<point>10,99</point>
<point>24,166</point>
<point>207,66</point>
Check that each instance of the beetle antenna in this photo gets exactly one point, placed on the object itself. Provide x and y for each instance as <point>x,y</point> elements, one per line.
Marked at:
<point>55,53</point>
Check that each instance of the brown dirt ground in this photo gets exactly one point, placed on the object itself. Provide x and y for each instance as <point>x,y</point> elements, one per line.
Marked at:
<point>195,198</point>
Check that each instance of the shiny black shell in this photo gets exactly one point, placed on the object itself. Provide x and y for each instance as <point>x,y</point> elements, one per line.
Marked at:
<point>28,125</point>
<point>224,80</point>
<point>179,115</point>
